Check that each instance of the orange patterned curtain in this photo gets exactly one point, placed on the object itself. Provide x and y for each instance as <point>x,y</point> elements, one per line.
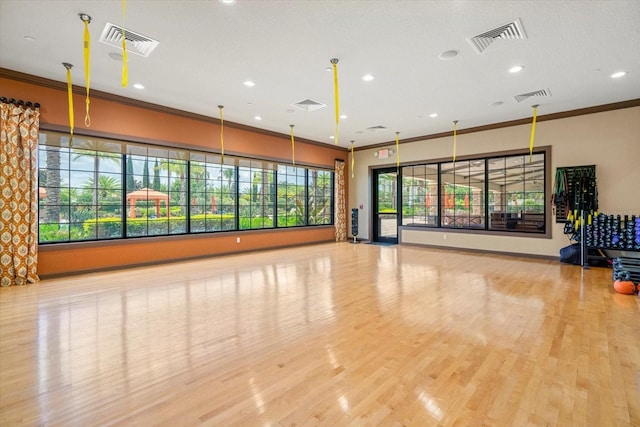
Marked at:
<point>18,193</point>
<point>340,218</point>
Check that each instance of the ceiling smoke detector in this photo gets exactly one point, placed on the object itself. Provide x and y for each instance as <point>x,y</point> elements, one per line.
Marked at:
<point>136,42</point>
<point>538,93</point>
<point>511,31</point>
<point>309,105</point>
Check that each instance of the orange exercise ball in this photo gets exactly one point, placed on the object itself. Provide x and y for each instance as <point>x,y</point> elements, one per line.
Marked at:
<point>624,287</point>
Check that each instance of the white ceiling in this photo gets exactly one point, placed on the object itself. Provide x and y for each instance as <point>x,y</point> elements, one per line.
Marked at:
<point>207,49</point>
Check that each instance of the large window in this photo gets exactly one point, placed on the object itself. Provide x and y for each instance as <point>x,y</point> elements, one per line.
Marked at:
<point>420,195</point>
<point>516,193</point>
<point>80,189</point>
<point>320,197</point>
<point>502,193</point>
<point>95,188</point>
<point>156,191</point>
<point>213,193</point>
<point>292,190</point>
<point>462,194</point>
<point>256,198</point>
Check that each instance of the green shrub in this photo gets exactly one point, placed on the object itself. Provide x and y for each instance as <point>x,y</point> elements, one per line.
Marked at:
<point>290,221</point>
<point>212,222</point>
<point>60,233</point>
<point>255,223</point>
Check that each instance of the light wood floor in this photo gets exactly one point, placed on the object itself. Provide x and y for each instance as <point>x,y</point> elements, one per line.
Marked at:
<point>331,334</point>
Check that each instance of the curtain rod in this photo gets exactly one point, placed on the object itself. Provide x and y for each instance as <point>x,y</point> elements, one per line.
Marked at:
<point>19,102</point>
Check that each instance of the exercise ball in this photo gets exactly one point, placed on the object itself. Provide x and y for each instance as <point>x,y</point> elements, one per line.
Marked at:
<point>624,287</point>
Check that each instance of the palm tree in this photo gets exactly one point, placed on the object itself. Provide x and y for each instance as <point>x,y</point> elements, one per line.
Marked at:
<point>52,209</point>
<point>109,186</point>
<point>179,168</point>
<point>96,150</point>
<point>226,189</point>
<point>110,190</point>
<point>319,199</point>
<point>228,174</point>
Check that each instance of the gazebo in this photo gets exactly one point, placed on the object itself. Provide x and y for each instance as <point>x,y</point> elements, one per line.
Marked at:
<point>147,194</point>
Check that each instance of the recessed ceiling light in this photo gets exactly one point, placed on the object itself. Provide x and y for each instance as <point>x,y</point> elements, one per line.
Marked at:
<point>433,115</point>
<point>227,1</point>
<point>138,86</point>
<point>249,83</point>
<point>448,54</point>
<point>618,74</point>
<point>29,38</point>
<point>332,137</point>
<point>368,77</point>
<point>343,116</point>
<point>258,118</point>
<point>516,69</point>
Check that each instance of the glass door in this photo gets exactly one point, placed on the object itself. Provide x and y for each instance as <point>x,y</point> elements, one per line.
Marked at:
<point>385,205</point>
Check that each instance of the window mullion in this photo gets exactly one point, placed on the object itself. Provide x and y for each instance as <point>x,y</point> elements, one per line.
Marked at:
<point>123,192</point>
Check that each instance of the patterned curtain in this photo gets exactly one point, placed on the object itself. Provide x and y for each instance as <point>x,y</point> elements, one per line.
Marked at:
<point>18,193</point>
<point>340,219</point>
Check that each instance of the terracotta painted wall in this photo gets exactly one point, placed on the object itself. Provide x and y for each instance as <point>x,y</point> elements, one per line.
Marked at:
<point>132,121</point>
<point>135,122</point>
<point>76,257</point>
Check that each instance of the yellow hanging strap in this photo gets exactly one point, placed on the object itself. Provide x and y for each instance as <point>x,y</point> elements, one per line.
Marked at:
<point>353,162</point>
<point>397,150</point>
<point>455,138</point>
<point>533,132</point>
<point>220,107</point>
<point>87,64</point>
<point>334,62</point>
<point>70,96</point>
<point>125,70</point>
<point>293,147</point>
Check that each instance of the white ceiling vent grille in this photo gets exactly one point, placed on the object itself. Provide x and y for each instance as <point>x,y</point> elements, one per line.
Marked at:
<point>309,105</point>
<point>511,31</point>
<point>136,43</point>
<point>540,93</point>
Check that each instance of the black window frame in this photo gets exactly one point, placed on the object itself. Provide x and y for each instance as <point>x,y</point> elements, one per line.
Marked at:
<point>529,222</point>
<point>120,149</point>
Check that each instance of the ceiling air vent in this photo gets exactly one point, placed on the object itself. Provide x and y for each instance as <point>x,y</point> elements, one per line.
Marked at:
<point>541,92</point>
<point>376,128</point>
<point>511,31</point>
<point>309,105</point>
<point>136,43</point>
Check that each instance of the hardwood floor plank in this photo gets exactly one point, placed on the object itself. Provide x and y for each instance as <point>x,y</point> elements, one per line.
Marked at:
<point>324,335</point>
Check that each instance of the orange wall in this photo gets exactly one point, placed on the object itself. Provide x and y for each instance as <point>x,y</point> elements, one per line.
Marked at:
<point>128,121</point>
<point>132,121</point>
<point>88,256</point>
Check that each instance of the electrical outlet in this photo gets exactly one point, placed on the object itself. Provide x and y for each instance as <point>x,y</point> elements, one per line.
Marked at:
<point>444,236</point>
